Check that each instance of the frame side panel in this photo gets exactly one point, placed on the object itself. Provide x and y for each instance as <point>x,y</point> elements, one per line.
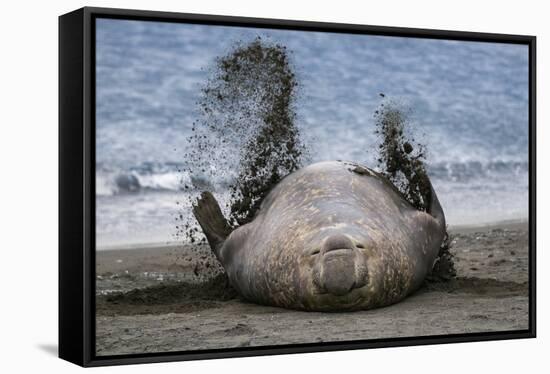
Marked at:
<point>71,255</point>
<point>533,187</point>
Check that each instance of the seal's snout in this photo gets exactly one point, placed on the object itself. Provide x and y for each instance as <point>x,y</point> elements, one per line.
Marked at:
<point>338,275</point>
<point>338,269</point>
<point>337,242</point>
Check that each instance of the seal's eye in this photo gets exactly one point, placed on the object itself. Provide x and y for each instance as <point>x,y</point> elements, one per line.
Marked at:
<point>359,245</point>
<point>315,252</point>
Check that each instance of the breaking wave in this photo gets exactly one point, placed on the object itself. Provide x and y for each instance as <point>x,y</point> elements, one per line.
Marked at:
<point>159,178</point>
<point>169,178</point>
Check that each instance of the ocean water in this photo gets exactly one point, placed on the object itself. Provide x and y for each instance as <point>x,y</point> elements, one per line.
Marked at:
<point>469,103</point>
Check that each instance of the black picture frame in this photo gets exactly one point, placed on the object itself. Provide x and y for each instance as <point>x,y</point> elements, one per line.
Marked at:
<point>77,184</point>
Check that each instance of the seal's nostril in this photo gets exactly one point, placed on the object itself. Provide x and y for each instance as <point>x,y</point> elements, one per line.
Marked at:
<point>337,241</point>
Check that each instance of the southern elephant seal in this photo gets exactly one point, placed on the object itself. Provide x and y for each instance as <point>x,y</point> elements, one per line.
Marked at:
<point>333,236</point>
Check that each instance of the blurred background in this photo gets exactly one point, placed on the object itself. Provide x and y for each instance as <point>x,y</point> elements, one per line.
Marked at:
<point>468,101</point>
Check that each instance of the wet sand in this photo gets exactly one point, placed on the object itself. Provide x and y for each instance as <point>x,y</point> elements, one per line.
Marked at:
<point>148,300</point>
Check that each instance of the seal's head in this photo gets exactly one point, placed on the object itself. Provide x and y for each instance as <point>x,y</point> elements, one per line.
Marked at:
<point>335,267</point>
<point>339,266</point>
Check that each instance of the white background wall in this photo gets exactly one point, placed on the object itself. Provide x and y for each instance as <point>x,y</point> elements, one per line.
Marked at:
<point>28,184</point>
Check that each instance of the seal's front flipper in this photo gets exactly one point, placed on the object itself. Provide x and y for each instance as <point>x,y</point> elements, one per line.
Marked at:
<point>210,217</point>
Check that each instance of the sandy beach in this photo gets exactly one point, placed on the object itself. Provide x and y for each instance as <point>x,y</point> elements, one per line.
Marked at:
<point>151,299</point>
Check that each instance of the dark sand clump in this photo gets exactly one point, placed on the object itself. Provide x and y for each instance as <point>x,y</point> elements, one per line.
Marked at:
<point>260,71</point>
<point>402,160</point>
<point>245,140</point>
<point>247,124</point>
<point>444,267</point>
<point>167,297</point>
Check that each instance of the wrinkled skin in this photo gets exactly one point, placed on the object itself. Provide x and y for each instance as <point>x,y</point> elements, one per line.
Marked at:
<point>333,236</point>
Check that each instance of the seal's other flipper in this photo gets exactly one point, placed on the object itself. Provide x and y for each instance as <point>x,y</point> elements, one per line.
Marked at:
<point>210,217</point>
<point>434,207</point>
